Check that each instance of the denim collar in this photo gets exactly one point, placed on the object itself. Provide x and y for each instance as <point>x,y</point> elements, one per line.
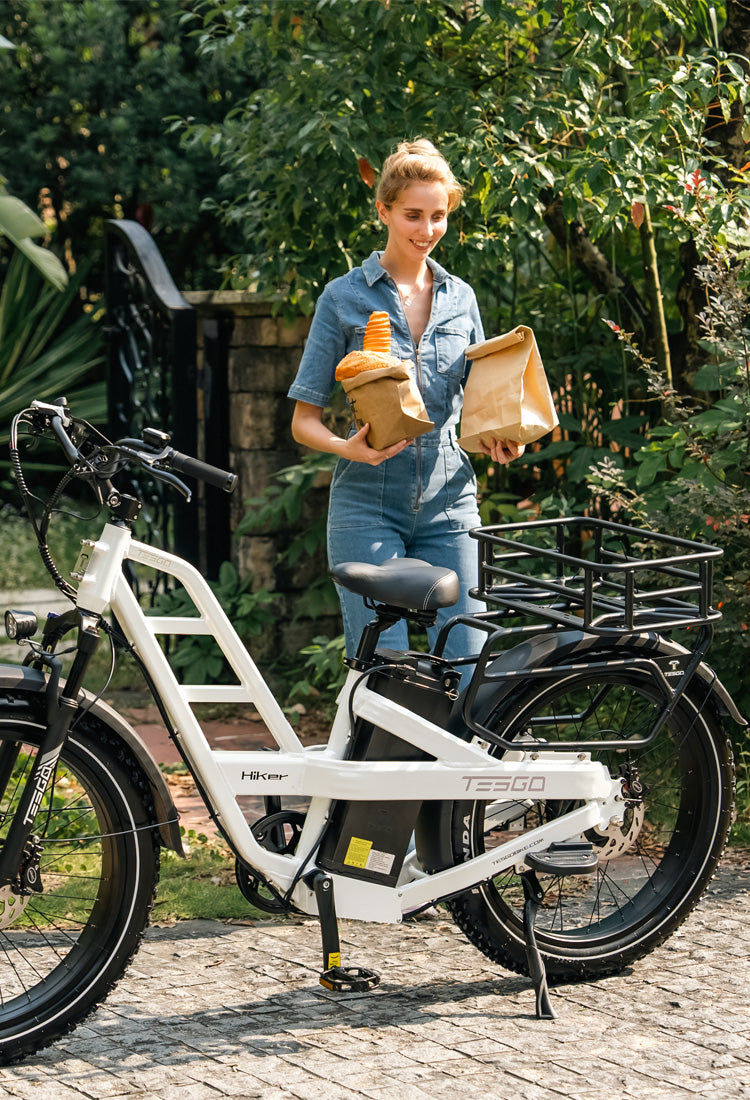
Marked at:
<point>374,270</point>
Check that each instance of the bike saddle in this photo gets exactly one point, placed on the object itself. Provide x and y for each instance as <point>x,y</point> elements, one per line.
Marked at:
<point>400,582</point>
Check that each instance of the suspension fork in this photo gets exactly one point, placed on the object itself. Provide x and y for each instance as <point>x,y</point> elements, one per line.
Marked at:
<point>61,708</point>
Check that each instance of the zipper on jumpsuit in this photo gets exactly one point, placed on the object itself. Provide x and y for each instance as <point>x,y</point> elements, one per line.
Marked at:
<point>417,345</point>
<point>418,441</point>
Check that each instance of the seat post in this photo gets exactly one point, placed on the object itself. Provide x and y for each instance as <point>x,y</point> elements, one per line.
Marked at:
<point>385,617</point>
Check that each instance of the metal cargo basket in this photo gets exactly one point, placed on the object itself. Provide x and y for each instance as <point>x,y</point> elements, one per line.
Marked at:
<point>595,575</point>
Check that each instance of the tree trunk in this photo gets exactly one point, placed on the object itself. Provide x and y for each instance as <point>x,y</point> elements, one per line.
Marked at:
<point>727,133</point>
<point>656,300</point>
<point>588,258</point>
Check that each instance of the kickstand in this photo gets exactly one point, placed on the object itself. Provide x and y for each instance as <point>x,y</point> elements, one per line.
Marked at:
<point>341,979</point>
<point>532,893</point>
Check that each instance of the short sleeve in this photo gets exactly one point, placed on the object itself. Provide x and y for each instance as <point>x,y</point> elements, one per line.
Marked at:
<point>325,348</point>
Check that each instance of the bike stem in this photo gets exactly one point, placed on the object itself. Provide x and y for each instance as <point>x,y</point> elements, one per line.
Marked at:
<point>60,711</point>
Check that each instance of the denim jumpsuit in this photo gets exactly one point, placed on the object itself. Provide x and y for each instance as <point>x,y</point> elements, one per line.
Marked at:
<point>421,502</point>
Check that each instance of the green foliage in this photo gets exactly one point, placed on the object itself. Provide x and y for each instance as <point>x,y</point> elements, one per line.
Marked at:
<point>692,477</point>
<point>48,347</point>
<point>197,657</point>
<point>324,672</point>
<point>602,103</point>
<point>85,93</point>
<point>202,886</point>
<point>283,506</point>
<point>741,828</point>
<point>20,224</point>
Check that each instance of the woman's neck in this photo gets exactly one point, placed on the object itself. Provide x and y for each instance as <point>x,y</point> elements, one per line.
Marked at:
<point>403,272</point>
<point>414,286</point>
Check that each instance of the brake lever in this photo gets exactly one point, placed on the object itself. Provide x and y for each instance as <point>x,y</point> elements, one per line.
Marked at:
<point>171,479</point>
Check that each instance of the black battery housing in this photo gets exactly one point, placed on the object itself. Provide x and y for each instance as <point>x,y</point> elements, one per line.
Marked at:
<point>369,840</point>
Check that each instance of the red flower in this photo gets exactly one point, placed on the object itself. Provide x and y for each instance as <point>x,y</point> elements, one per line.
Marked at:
<point>612,325</point>
<point>694,182</point>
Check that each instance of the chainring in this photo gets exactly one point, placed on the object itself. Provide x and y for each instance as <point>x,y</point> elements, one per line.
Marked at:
<point>279,832</point>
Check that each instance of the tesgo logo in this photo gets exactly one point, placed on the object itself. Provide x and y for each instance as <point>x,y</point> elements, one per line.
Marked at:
<point>506,784</point>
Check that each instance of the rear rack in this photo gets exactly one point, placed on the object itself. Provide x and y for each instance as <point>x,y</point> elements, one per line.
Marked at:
<point>595,575</point>
<point>598,577</point>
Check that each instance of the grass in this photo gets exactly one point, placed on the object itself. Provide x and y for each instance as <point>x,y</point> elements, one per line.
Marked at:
<point>20,564</point>
<point>202,886</point>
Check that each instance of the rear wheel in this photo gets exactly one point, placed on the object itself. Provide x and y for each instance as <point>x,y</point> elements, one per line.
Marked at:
<point>70,925</point>
<point>652,870</point>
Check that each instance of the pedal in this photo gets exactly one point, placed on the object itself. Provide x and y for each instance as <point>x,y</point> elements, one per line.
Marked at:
<point>570,857</point>
<point>349,979</point>
<point>340,979</point>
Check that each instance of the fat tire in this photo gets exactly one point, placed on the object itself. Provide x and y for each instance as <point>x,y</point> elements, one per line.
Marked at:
<point>687,813</point>
<point>74,940</point>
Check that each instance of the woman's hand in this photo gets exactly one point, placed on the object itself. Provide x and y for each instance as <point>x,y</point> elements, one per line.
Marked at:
<point>357,449</point>
<point>502,450</point>
<point>309,430</point>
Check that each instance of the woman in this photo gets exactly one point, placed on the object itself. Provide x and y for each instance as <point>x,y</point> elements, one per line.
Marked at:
<point>416,498</point>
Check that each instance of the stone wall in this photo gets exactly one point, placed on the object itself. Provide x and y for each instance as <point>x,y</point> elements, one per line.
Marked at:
<point>260,355</point>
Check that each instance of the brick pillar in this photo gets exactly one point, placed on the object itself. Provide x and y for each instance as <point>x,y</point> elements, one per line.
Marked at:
<point>263,354</point>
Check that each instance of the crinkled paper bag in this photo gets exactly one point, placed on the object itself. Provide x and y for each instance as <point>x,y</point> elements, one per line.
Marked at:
<point>387,399</point>
<point>506,395</point>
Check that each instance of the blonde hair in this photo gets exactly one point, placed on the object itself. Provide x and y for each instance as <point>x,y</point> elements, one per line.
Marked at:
<point>416,161</point>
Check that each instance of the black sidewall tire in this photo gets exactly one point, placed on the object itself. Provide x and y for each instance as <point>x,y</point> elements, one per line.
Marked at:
<point>499,934</point>
<point>119,790</point>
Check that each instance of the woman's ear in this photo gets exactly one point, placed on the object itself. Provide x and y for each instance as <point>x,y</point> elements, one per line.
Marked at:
<point>382,210</point>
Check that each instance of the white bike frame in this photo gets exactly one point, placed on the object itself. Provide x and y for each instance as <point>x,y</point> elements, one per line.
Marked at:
<point>460,770</point>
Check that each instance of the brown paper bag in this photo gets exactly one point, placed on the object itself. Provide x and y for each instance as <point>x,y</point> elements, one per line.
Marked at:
<point>507,395</point>
<point>388,399</point>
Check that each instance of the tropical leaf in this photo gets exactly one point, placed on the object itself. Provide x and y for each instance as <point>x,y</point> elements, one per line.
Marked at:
<point>43,353</point>
<point>19,224</point>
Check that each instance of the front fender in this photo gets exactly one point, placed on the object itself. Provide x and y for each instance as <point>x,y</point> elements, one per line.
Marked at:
<point>31,680</point>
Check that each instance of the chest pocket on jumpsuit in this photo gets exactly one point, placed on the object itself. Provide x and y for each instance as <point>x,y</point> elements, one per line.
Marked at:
<point>442,388</point>
<point>460,483</point>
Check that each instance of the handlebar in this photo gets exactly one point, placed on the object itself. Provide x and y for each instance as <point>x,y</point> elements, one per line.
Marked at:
<point>153,452</point>
<point>212,475</point>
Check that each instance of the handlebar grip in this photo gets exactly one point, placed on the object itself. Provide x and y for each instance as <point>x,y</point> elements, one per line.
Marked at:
<point>193,467</point>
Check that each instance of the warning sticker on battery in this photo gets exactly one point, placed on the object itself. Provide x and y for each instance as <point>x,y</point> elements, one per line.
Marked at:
<point>361,853</point>
<point>357,852</point>
<point>380,862</point>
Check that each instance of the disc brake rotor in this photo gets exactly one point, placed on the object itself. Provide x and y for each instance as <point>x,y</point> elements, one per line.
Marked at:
<point>616,840</point>
<point>12,906</point>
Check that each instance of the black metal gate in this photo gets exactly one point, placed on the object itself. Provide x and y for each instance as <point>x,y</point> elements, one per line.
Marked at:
<point>151,352</point>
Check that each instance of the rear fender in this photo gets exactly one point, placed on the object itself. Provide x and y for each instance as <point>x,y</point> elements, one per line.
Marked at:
<point>21,679</point>
<point>549,650</point>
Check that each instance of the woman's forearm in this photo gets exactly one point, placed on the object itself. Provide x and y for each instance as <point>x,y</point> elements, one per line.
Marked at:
<point>309,430</point>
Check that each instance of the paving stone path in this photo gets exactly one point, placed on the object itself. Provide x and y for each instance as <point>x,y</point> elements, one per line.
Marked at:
<point>211,1010</point>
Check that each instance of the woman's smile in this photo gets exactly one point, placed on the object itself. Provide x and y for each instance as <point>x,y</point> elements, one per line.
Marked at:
<point>416,221</point>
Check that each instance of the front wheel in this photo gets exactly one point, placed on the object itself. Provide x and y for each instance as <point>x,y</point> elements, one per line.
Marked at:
<point>652,869</point>
<point>70,924</point>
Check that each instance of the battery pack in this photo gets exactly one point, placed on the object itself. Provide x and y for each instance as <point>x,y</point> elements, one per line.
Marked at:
<point>369,840</point>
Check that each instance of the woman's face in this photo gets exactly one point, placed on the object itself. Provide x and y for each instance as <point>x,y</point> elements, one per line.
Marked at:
<point>417,220</point>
